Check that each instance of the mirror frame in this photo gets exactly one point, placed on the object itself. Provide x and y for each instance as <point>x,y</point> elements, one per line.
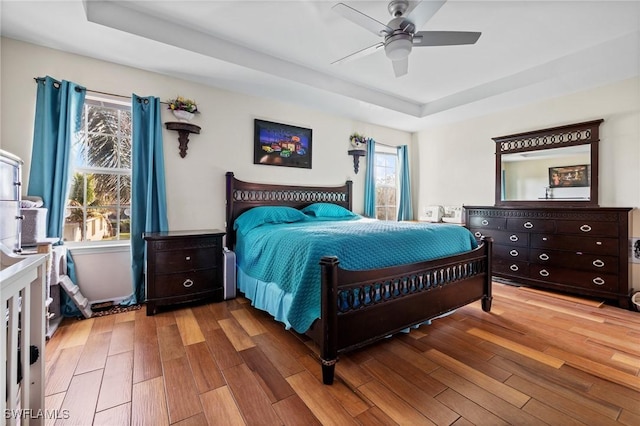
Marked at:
<point>586,133</point>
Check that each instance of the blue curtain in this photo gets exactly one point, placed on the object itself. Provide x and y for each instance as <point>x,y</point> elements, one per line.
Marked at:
<point>148,194</point>
<point>58,114</point>
<point>58,118</point>
<point>405,209</point>
<point>370,180</point>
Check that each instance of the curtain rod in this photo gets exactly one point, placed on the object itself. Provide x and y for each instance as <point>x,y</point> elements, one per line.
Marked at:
<point>384,144</point>
<point>36,79</point>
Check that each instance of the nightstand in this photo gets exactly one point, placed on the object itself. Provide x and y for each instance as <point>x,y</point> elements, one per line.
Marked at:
<point>183,266</point>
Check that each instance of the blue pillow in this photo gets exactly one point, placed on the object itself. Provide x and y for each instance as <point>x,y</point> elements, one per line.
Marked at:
<point>258,216</point>
<point>327,210</point>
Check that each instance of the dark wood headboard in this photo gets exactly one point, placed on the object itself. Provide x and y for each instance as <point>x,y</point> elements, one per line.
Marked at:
<point>242,196</point>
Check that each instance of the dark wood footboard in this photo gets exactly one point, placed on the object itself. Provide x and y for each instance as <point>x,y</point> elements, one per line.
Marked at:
<point>360,307</point>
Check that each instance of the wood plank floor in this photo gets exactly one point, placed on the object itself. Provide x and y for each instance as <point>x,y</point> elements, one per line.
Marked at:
<point>535,359</point>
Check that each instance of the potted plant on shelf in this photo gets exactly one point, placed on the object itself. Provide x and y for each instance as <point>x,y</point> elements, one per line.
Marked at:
<point>357,140</point>
<point>182,108</point>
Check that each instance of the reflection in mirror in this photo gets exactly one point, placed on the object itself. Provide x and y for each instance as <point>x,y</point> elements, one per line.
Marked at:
<point>552,174</point>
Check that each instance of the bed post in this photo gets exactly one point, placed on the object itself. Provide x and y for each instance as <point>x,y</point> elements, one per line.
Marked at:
<point>329,317</point>
<point>229,211</point>
<point>487,298</point>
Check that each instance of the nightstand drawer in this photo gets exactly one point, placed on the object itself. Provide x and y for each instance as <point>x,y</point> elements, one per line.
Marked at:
<point>186,260</point>
<point>172,285</point>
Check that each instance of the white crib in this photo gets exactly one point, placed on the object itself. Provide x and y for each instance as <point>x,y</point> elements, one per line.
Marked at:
<point>22,303</point>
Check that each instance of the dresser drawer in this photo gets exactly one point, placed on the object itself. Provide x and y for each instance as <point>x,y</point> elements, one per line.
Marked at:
<point>593,245</point>
<point>577,260</point>
<point>519,239</point>
<point>510,252</point>
<point>589,228</point>
<point>486,222</point>
<point>510,267</point>
<point>179,284</point>
<point>531,225</point>
<point>582,279</point>
<point>188,259</point>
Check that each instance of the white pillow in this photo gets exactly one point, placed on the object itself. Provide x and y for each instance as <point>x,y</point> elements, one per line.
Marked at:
<point>31,201</point>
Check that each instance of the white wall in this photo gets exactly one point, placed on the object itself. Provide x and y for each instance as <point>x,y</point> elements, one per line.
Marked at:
<point>195,184</point>
<point>456,162</point>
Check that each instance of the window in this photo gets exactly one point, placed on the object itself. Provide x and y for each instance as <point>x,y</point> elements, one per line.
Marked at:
<point>99,202</point>
<point>386,161</point>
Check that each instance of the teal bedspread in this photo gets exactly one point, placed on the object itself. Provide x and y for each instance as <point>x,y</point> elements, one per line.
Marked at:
<point>288,254</point>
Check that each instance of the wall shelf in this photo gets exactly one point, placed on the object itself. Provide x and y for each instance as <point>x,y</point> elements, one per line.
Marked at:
<point>183,129</point>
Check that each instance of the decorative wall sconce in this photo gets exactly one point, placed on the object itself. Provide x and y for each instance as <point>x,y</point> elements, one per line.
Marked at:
<point>183,129</point>
<point>357,153</point>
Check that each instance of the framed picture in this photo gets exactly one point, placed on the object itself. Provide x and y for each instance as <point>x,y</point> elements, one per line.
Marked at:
<point>278,144</point>
<point>569,176</point>
<point>634,250</point>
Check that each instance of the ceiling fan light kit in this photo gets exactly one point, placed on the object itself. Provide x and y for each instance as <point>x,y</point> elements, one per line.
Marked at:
<point>400,33</point>
<point>398,46</point>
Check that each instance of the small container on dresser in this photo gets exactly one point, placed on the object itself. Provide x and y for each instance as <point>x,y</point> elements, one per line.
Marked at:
<point>183,266</point>
<point>576,250</point>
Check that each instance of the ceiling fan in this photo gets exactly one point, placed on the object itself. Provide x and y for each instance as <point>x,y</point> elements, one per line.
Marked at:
<point>400,34</point>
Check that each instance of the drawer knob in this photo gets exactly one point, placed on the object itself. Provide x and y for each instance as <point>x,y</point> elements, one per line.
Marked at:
<point>544,256</point>
<point>585,228</point>
<point>514,253</point>
<point>598,263</point>
<point>528,225</point>
<point>514,267</point>
<point>598,243</point>
<point>513,238</point>
<point>598,281</point>
<point>478,234</point>
<point>484,222</point>
<point>187,283</point>
<point>544,238</point>
<point>544,273</point>
<point>188,258</point>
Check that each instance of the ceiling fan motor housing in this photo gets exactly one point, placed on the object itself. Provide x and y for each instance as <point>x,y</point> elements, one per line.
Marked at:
<point>397,7</point>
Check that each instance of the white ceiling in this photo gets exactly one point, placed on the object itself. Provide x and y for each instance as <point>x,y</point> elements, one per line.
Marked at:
<point>528,51</point>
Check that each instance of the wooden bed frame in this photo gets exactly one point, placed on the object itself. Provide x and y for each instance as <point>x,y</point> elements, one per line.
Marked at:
<point>411,294</point>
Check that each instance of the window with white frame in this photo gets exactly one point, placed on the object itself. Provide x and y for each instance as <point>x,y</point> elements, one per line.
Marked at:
<point>99,202</point>
<point>386,161</point>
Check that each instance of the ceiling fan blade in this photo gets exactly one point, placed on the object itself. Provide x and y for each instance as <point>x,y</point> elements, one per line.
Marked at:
<point>359,18</point>
<point>423,11</point>
<point>401,67</point>
<point>444,38</point>
<point>360,53</point>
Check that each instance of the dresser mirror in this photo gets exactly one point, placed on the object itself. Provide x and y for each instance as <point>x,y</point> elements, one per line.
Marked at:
<point>549,167</point>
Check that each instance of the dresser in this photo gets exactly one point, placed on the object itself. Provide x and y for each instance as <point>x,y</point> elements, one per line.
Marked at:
<point>583,251</point>
<point>10,195</point>
<point>183,266</point>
